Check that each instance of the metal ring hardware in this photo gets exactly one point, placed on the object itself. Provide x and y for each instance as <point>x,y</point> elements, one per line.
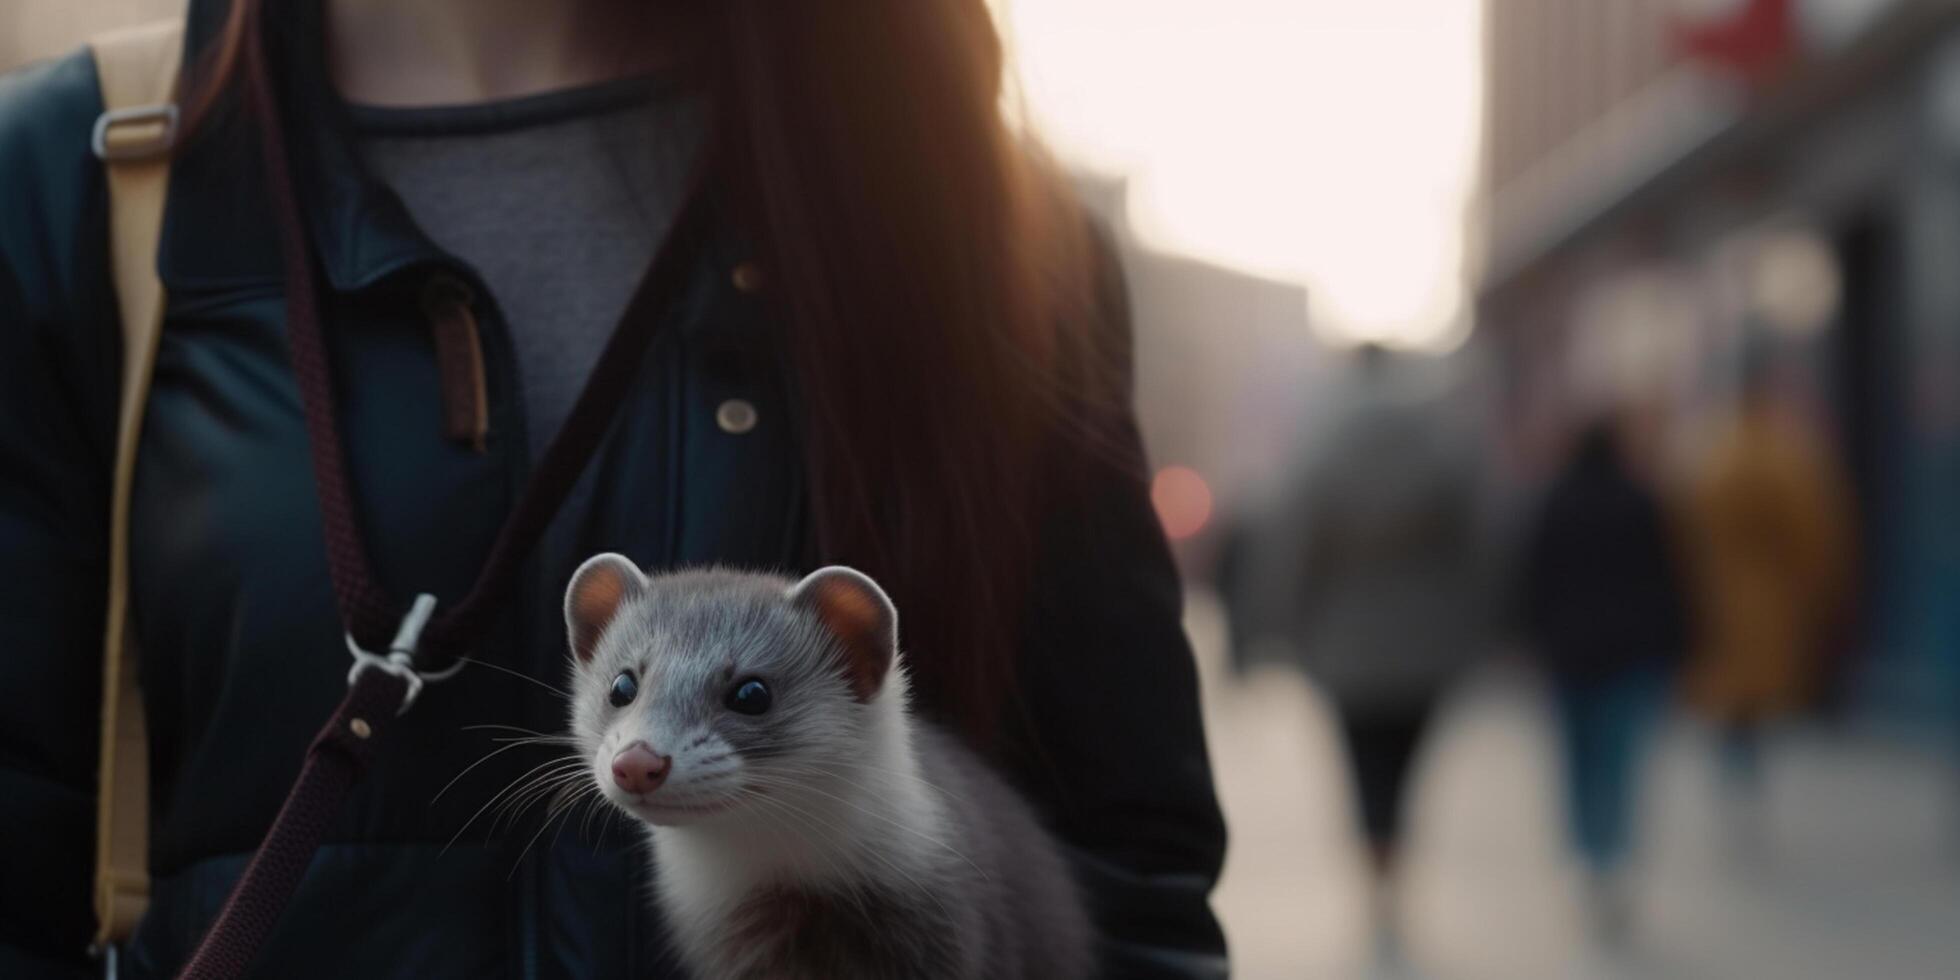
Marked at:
<point>158,115</point>
<point>400,659</point>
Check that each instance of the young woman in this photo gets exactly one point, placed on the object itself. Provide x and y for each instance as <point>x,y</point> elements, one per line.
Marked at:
<point>894,345</point>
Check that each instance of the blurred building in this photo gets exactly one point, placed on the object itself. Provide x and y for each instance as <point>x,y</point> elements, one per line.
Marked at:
<point>1554,67</point>
<point>1663,176</point>
<point>1223,361</point>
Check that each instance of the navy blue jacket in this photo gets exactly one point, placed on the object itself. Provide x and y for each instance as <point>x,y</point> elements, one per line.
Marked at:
<point>241,650</point>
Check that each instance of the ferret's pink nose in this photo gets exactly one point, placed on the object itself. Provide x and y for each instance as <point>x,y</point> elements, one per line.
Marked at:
<point>638,769</point>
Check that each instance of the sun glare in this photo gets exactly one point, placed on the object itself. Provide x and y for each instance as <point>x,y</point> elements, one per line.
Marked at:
<point>1324,142</point>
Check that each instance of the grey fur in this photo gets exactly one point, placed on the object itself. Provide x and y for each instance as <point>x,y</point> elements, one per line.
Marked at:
<point>849,838</point>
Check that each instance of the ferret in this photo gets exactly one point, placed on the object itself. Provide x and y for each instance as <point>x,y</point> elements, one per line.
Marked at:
<point>803,822</point>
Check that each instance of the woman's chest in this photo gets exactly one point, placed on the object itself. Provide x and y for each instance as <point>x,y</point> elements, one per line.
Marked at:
<point>699,464</point>
<point>230,580</point>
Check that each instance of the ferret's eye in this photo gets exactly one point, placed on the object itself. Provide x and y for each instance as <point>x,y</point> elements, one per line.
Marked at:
<point>624,689</point>
<point>750,697</point>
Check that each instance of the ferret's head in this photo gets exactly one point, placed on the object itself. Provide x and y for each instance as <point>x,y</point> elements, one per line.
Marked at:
<point>706,692</point>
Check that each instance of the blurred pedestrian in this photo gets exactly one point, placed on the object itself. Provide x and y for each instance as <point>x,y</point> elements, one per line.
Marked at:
<point>1605,612</point>
<point>1773,556</point>
<point>1375,572</point>
<point>1233,577</point>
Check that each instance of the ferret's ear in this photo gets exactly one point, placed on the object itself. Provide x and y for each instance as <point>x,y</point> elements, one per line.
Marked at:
<point>599,588</point>
<point>859,614</point>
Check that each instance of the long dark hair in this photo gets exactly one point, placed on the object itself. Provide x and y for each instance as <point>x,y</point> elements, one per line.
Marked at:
<point>935,281</point>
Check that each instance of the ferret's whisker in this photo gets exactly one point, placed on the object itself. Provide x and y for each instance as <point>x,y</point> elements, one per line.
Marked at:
<point>553,688</point>
<point>849,768</point>
<point>888,771</point>
<point>466,769</point>
<point>495,726</point>
<point>866,766</point>
<point>514,784</point>
<point>557,808</point>
<point>539,789</point>
<point>593,802</point>
<point>800,787</point>
<point>901,825</point>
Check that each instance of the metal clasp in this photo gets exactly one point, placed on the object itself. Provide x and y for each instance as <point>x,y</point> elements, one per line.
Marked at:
<point>400,659</point>
<point>163,117</point>
<point>109,955</point>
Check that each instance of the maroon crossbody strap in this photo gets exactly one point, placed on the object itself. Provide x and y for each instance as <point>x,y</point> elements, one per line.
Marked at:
<point>371,615</point>
<point>341,752</point>
<point>335,761</point>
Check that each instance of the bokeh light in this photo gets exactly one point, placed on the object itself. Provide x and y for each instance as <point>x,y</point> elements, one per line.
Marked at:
<point>1183,501</point>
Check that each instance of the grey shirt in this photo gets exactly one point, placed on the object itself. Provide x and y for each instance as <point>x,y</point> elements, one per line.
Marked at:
<point>557,200</point>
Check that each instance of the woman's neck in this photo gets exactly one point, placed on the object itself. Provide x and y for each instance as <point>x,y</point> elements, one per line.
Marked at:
<point>448,52</point>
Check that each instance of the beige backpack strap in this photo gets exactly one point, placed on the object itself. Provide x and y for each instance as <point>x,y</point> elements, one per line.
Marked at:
<point>137,70</point>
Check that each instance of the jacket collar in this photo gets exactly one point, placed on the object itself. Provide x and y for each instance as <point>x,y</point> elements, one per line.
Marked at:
<point>217,230</point>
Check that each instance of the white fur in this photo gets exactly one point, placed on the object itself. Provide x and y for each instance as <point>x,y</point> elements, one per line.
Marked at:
<point>874,820</point>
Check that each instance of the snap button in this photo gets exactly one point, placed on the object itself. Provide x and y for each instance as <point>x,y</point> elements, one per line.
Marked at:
<point>735,416</point>
<point>747,277</point>
<point>360,728</point>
